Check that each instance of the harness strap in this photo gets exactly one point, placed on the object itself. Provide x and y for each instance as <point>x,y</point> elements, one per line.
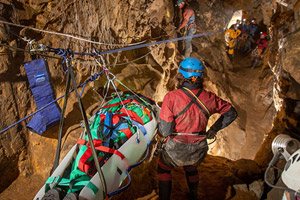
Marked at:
<point>78,184</point>
<point>188,106</point>
<point>197,101</point>
<point>194,133</point>
<point>51,180</point>
<point>109,150</point>
<point>84,142</point>
<point>84,164</point>
<point>146,109</point>
<point>132,115</point>
<point>117,104</point>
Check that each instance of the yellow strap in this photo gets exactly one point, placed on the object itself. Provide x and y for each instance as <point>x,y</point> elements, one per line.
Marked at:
<point>198,100</point>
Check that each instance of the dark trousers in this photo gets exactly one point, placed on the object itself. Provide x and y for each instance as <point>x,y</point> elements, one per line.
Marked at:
<point>165,180</point>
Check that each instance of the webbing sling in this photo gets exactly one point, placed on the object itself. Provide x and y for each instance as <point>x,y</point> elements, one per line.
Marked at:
<point>189,105</point>
<point>194,99</point>
<point>197,101</point>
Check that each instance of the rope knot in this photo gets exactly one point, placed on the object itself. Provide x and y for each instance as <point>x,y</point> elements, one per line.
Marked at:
<point>94,77</point>
<point>61,52</point>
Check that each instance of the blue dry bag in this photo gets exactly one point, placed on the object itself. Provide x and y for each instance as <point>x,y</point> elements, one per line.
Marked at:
<point>39,80</point>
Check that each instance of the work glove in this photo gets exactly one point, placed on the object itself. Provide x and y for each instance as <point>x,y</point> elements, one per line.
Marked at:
<point>211,134</point>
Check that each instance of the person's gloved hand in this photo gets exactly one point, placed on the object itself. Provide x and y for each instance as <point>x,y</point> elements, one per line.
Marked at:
<point>211,134</point>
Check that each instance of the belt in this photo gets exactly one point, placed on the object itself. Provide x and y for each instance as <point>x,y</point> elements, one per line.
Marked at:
<point>194,133</point>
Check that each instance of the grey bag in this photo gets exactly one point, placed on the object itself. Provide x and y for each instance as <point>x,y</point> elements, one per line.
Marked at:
<point>183,154</point>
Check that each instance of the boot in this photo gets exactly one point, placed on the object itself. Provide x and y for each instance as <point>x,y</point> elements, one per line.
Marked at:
<point>193,191</point>
<point>165,190</point>
<point>71,196</point>
<point>53,194</point>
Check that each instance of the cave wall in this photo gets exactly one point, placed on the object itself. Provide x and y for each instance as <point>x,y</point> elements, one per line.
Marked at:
<point>131,21</point>
<point>109,22</point>
<point>283,61</point>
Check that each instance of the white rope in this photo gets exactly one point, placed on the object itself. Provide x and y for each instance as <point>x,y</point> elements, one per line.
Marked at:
<point>68,35</point>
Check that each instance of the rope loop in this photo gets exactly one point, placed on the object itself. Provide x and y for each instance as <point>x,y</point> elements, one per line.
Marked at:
<point>65,54</point>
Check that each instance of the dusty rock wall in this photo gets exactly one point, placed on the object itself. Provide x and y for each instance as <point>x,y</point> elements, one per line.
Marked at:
<point>274,92</point>
<point>109,22</point>
<point>283,61</point>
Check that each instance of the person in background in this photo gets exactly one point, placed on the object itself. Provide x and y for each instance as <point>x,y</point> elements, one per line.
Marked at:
<point>236,25</point>
<point>252,29</point>
<point>257,53</point>
<point>188,22</point>
<point>231,36</point>
<point>183,119</point>
<point>242,37</point>
<point>243,26</point>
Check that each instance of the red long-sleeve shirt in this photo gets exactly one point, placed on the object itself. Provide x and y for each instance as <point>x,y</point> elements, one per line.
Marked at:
<point>262,43</point>
<point>188,17</point>
<point>193,120</point>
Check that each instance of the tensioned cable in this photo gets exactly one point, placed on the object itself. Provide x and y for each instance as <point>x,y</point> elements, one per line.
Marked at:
<point>132,61</point>
<point>159,42</point>
<point>121,49</point>
<point>20,50</point>
<point>68,35</point>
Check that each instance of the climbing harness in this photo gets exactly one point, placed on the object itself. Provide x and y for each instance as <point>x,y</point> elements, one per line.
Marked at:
<point>205,111</point>
<point>195,100</point>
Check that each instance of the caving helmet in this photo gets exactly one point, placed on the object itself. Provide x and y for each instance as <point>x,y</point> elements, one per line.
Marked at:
<point>180,3</point>
<point>263,33</point>
<point>191,67</point>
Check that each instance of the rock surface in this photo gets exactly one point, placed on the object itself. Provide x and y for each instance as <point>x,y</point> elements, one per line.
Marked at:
<point>267,98</point>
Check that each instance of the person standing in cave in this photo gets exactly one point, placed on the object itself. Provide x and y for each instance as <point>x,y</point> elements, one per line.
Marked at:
<point>188,23</point>
<point>252,29</point>
<point>258,52</point>
<point>231,36</point>
<point>236,25</point>
<point>242,36</point>
<point>183,119</point>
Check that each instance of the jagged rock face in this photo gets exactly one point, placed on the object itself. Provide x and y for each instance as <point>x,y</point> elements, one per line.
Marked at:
<point>109,22</point>
<point>256,94</point>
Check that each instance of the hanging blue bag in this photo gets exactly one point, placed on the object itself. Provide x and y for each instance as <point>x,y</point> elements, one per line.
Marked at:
<point>38,76</point>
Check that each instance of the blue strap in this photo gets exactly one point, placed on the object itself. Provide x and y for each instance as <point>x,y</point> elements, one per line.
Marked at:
<point>107,122</point>
<point>140,126</point>
<point>115,132</point>
<point>127,173</point>
<point>137,164</point>
<point>123,188</point>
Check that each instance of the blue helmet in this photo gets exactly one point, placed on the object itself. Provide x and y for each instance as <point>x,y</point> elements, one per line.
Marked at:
<point>191,67</point>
